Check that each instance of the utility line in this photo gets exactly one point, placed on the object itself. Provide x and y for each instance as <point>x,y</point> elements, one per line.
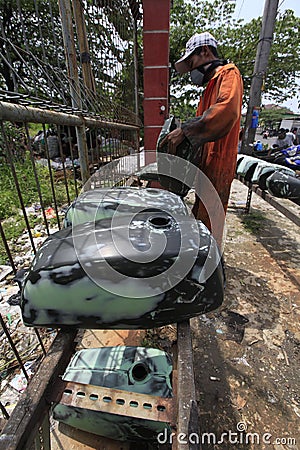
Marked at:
<point>241,8</point>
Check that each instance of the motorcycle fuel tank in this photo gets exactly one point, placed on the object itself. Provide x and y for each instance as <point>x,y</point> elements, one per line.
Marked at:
<point>129,271</point>
<point>264,169</point>
<point>104,203</point>
<point>247,166</point>
<point>169,167</point>
<point>134,369</point>
<point>284,186</point>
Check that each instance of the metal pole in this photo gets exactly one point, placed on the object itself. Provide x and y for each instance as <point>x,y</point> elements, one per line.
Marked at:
<point>40,340</point>
<point>3,410</point>
<point>260,69</point>
<point>20,113</point>
<point>2,234</point>
<point>14,348</point>
<point>18,189</point>
<point>70,52</point>
<point>136,69</point>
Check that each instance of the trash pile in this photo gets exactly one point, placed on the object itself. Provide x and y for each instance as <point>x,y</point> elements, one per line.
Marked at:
<point>12,378</point>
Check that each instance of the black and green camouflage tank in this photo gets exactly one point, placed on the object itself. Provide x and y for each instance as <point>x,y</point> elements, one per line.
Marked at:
<point>134,369</point>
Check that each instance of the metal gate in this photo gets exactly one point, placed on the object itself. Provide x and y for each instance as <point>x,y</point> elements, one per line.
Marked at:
<point>68,109</point>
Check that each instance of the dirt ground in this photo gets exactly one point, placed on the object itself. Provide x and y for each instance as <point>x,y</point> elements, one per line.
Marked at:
<point>247,353</point>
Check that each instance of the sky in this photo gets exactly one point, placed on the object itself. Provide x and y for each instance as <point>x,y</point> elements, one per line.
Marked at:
<point>250,9</point>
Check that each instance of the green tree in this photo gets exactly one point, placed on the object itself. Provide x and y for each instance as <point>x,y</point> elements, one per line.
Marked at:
<point>271,118</point>
<point>280,81</point>
<point>237,42</point>
<point>31,47</point>
<point>33,60</point>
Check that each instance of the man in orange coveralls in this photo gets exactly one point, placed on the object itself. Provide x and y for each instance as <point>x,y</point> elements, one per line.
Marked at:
<point>217,129</point>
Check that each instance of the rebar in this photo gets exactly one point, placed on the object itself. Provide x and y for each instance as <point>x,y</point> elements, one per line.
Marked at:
<point>14,348</point>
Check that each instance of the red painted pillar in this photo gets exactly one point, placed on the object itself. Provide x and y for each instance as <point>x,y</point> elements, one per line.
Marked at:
<point>156,29</point>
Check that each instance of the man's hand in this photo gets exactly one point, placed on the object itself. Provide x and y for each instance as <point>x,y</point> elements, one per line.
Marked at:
<point>173,139</point>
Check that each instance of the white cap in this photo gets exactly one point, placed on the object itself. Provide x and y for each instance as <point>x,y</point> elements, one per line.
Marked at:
<point>197,40</point>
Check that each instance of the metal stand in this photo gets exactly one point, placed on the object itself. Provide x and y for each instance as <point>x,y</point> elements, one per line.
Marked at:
<point>270,199</point>
<point>28,424</point>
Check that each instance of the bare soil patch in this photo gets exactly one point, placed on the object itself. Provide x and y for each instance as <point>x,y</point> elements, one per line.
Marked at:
<point>247,353</point>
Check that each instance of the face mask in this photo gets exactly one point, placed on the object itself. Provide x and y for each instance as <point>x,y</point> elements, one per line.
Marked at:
<point>199,76</point>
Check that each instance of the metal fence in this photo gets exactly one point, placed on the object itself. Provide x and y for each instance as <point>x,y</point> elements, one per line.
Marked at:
<point>68,112</point>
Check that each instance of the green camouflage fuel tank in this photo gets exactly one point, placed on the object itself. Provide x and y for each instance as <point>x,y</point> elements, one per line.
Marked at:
<point>104,203</point>
<point>138,269</point>
<point>134,369</point>
<point>168,166</point>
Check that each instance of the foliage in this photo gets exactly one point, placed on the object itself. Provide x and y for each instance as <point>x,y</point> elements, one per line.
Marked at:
<point>33,129</point>
<point>13,142</point>
<point>237,42</point>
<point>12,220</point>
<point>12,229</point>
<point>34,62</point>
<point>110,36</point>
<point>10,209</point>
<point>29,35</point>
<point>271,118</point>
<point>9,201</point>
<point>280,80</point>
<point>13,137</point>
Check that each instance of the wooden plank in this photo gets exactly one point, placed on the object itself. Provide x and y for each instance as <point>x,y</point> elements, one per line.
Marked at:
<point>276,204</point>
<point>69,438</point>
<point>187,418</point>
<point>34,403</point>
<point>271,200</point>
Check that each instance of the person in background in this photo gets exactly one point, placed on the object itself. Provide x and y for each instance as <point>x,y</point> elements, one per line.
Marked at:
<point>217,126</point>
<point>241,135</point>
<point>292,135</point>
<point>266,134</point>
<point>283,140</point>
<point>258,146</point>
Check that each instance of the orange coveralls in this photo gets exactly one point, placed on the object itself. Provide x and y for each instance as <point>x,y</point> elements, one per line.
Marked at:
<point>217,130</point>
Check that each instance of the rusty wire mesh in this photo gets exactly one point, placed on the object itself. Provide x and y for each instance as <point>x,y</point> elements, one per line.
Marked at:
<point>39,156</point>
<point>33,59</point>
